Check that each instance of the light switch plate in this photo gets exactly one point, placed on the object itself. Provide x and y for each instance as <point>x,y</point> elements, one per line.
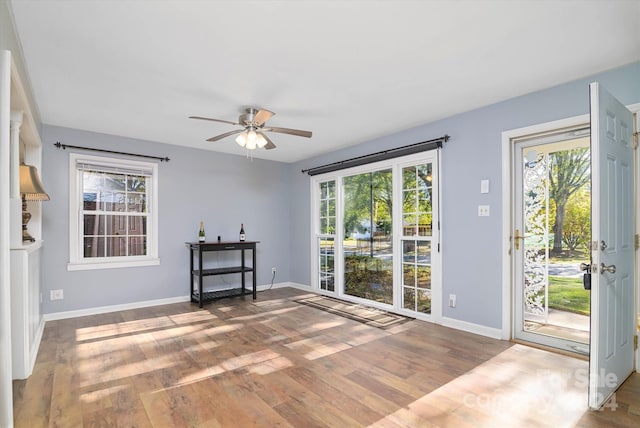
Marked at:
<point>484,186</point>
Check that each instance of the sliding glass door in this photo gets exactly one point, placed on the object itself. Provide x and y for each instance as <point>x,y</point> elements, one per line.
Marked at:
<point>367,242</point>
<point>377,235</point>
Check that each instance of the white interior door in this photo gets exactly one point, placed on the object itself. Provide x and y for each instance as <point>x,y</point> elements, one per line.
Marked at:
<point>612,210</point>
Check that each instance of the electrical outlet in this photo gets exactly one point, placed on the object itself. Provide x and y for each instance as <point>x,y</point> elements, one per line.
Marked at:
<point>483,210</point>
<point>56,294</point>
<point>452,300</point>
<point>273,270</point>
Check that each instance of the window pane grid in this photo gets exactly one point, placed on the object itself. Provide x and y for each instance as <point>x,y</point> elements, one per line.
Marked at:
<point>416,275</point>
<point>327,213</point>
<point>417,207</point>
<point>326,270</point>
<point>115,214</point>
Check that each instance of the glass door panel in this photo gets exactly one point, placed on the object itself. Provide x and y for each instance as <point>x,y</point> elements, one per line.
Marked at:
<point>367,242</point>
<point>551,238</point>
<point>326,236</point>
<point>327,264</point>
<point>417,230</point>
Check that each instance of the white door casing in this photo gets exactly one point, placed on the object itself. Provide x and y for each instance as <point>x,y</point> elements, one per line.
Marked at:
<point>612,292</point>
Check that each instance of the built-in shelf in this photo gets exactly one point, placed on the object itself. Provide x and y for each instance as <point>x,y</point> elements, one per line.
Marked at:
<point>25,146</point>
<point>29,247</point>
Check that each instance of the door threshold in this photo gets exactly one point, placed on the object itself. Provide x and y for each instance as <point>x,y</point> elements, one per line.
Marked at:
<point>565,352</point>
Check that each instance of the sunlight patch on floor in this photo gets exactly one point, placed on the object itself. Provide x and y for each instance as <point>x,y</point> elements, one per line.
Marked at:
<point>221,329</point>
<point>118,369</point>
<point>322,326</point>
<point>101,394</point>
<point>138,326</point>
<point>264,314</point>
<point>191,317</point>
<point>318,347</point>
<point>504,392</point>
<point>261,362</point>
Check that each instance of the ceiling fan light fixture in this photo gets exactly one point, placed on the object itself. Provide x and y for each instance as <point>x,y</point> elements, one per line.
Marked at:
<point>242,139</point>
<point>261,141</point>
<point>252,140</point>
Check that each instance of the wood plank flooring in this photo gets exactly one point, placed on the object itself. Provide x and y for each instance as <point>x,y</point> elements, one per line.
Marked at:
<point>277,363</point>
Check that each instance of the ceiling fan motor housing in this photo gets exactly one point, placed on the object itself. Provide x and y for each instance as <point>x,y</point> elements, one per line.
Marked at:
<point>248,118</point>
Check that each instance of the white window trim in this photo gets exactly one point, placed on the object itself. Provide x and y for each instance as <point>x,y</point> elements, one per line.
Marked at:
<point>76,262</point>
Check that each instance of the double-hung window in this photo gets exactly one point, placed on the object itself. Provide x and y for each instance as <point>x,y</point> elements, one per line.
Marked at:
<point>113,213</point>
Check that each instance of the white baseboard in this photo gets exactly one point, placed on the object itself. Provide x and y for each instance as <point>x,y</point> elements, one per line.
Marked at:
<point>494,333</point>
<point>114,308</point>
<point>144,304</point>
<point>294,285</point>
<point>283,285</point>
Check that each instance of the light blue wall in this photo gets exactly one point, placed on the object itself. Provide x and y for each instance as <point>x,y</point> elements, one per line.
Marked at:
<point>220,189</point>
<point>471,245</point>
<point>272,199</point>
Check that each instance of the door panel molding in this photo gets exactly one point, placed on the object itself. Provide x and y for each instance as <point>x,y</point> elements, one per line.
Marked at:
<point>612,316</point>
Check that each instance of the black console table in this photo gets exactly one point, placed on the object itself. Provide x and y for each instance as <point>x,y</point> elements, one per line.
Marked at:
<point>198,295</point>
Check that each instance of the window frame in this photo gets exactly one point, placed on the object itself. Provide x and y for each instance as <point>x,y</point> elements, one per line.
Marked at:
<point>77,261</point>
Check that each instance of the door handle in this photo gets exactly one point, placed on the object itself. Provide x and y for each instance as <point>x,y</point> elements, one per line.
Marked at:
<point>610,268</point>
<point>585,267</point>
<point>517,238</point>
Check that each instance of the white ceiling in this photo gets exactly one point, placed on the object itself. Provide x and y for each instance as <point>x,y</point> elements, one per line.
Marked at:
<point>349,71</point>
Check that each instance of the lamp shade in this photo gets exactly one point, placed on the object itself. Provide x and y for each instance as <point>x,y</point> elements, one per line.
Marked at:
<point>31,187</point>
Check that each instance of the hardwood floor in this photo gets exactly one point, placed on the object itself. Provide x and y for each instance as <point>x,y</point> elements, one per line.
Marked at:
<point>275,362</point>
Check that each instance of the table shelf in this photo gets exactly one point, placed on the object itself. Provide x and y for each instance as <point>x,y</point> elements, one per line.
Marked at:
<point>196,250</point>
<point>222,270</point>
<point>209,296</point>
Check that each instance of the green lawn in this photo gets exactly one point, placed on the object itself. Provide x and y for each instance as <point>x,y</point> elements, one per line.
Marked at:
<point>568,294</point>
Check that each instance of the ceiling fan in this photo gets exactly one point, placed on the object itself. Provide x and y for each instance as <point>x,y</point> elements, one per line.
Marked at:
<point>253,136</point>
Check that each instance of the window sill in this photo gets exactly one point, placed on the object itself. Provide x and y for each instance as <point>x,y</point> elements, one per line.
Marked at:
<point>74,266</point>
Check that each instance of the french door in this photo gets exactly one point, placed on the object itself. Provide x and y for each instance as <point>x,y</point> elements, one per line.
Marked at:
<point>376,235</point>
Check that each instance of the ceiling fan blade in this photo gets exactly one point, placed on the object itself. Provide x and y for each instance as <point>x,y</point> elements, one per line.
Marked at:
<point>290,131</point>
<point>269,144</point>
<point>213,120</point>
<point>262,116</point>
<point>226,134</point>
